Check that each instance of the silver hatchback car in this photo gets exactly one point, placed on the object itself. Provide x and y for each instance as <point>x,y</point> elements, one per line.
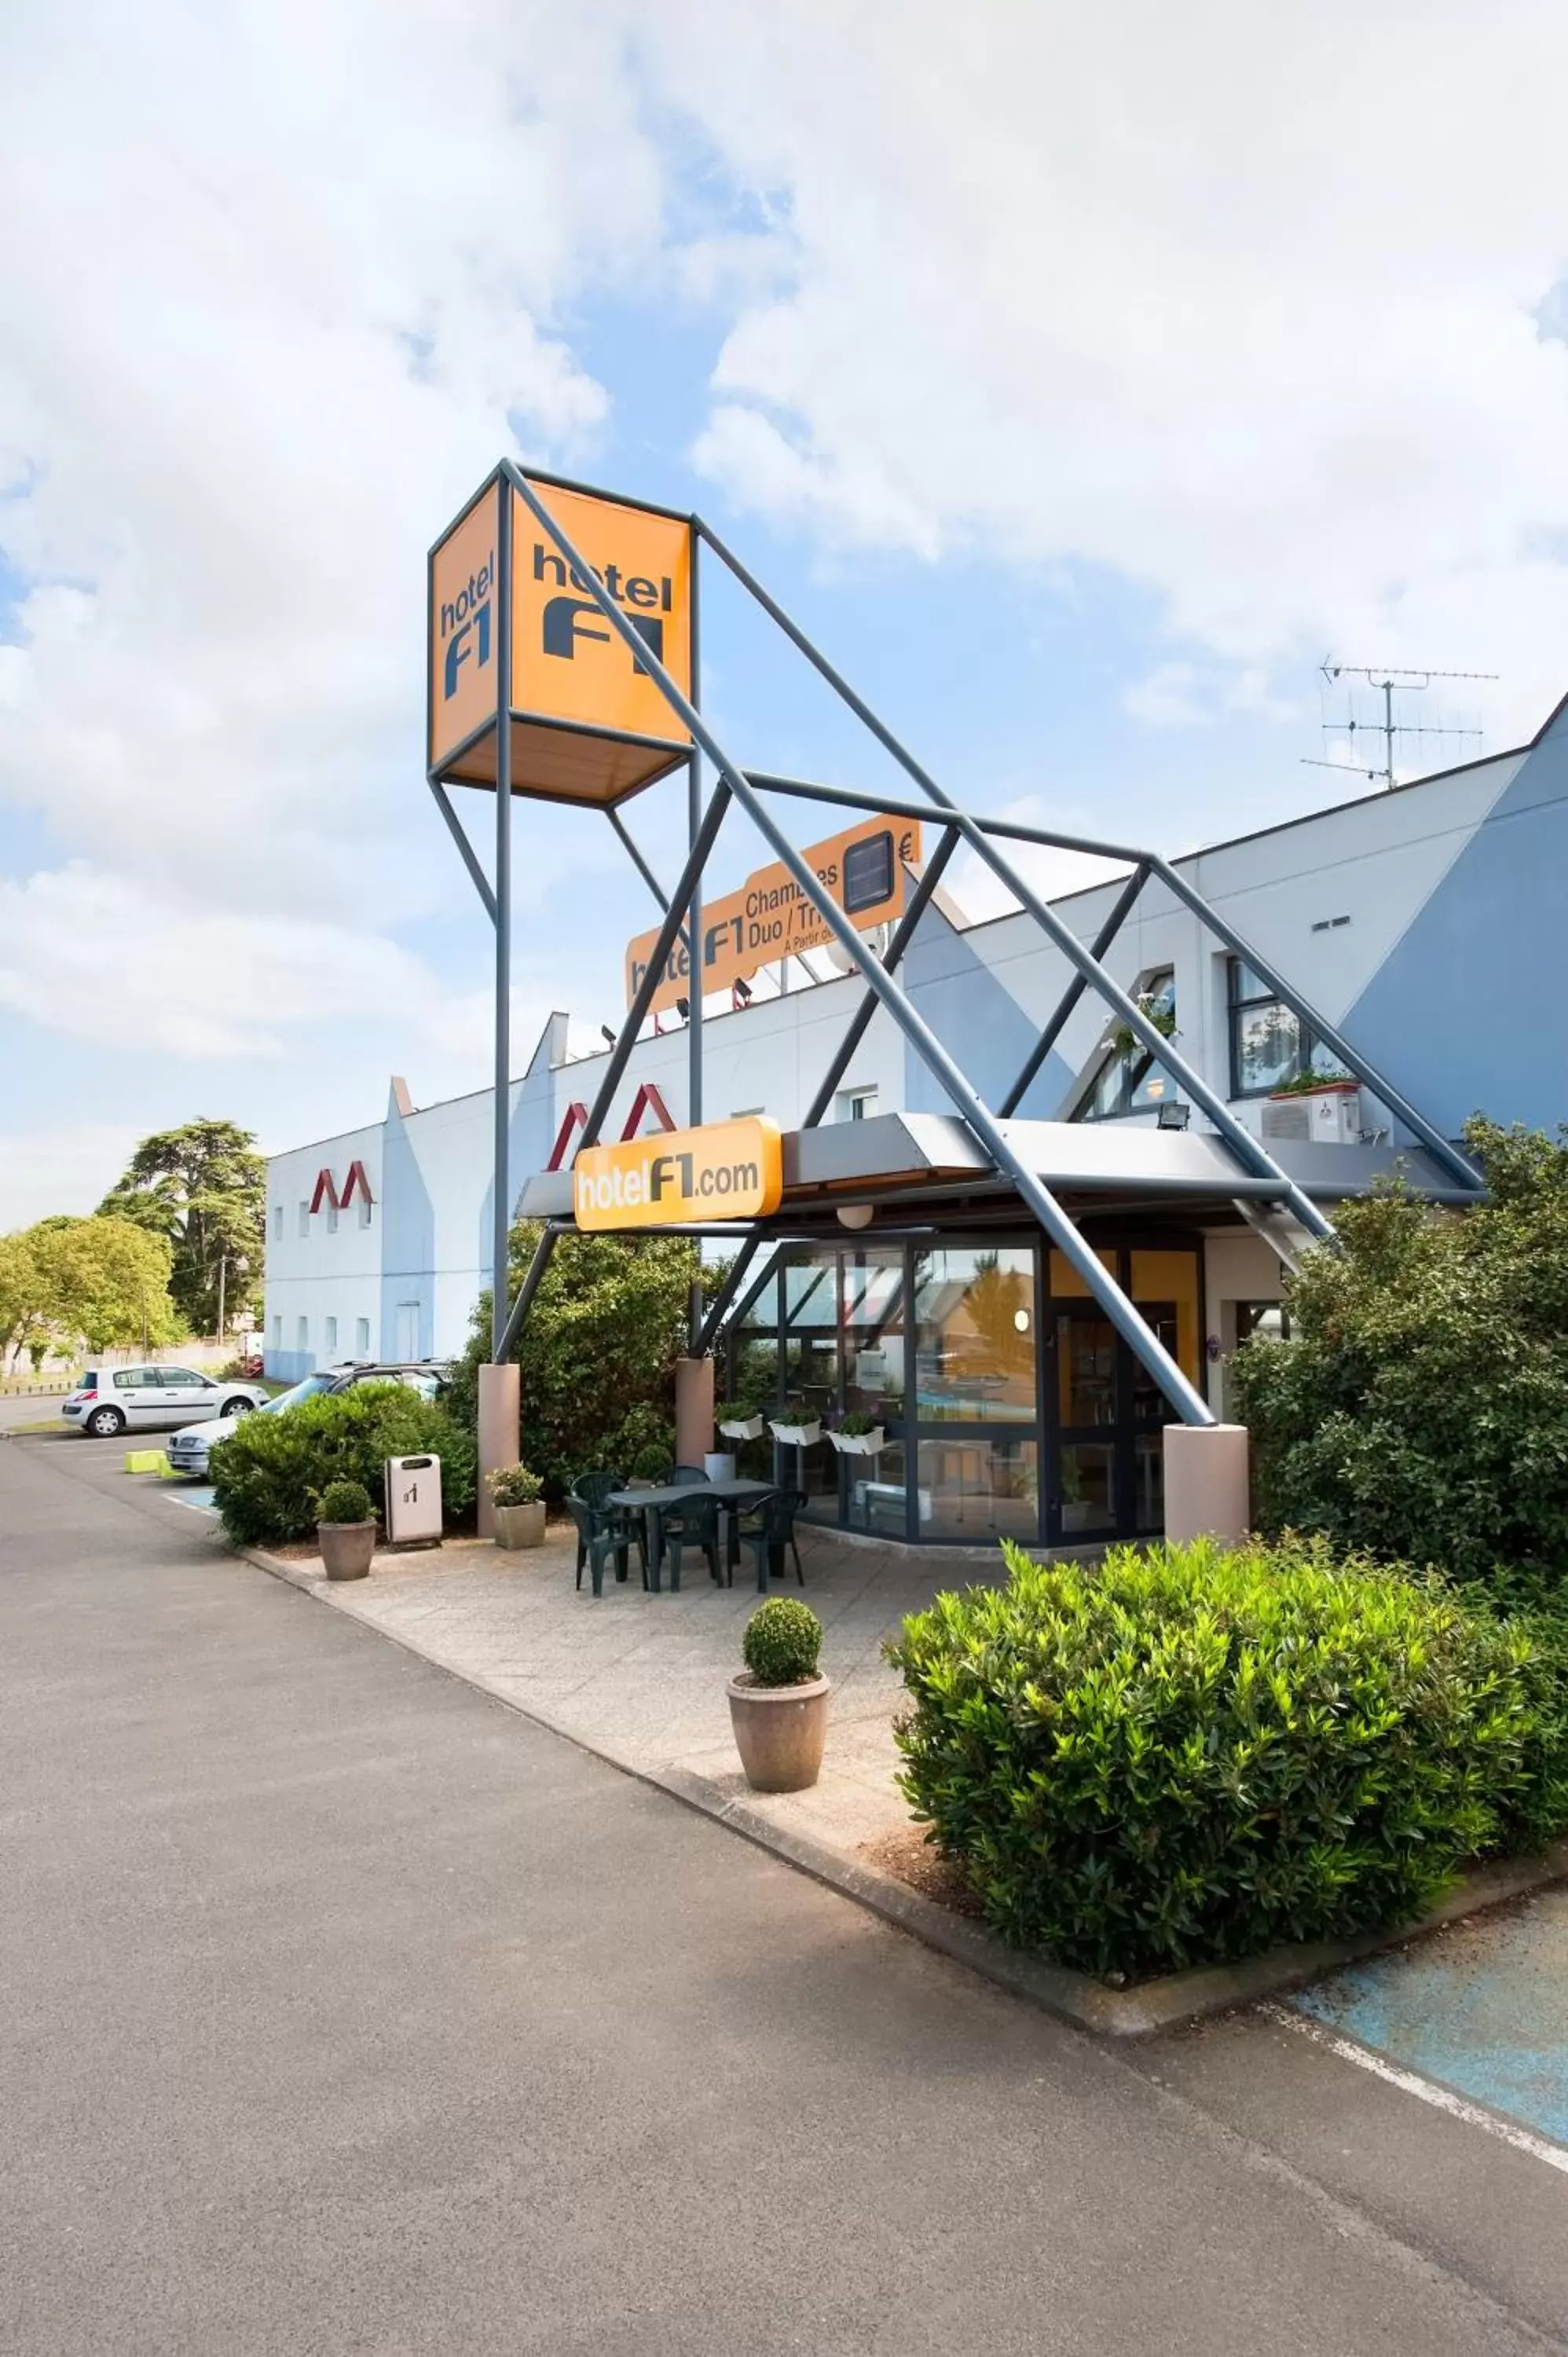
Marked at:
<point>111,1400</point>
<point>188,1450</point>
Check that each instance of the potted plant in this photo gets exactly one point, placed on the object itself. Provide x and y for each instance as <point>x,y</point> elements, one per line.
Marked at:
<point>346,1529</point>
<point>517,1498</point>
<point>858,1434</point>
<point>738,1423</point>
<point>778,1703</point>
<point>799,1433</point>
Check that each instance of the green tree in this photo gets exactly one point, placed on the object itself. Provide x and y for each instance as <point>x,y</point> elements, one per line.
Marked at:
<point>597,1355</point>
<point>23,1311</point>
<point>203,1190</point>
<point>1420,1408</point>
<point>102,1281</point>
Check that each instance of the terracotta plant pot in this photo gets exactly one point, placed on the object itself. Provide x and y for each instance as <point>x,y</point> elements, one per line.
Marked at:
<point>780,1732</point>
<point>520,1526</point>
<point>346,1548</point>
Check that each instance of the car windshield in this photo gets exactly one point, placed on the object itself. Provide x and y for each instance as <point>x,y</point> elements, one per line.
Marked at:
<point>311,1388</point>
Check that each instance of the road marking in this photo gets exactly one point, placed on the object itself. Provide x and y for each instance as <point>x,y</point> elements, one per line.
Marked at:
<point>1441,2098</point>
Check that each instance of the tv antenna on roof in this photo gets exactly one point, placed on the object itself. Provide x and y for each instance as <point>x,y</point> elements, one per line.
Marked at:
<point>1388,682</point>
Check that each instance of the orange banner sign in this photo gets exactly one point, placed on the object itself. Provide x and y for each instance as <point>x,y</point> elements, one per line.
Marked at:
<point>770,918</point>
<point>726,1170</point>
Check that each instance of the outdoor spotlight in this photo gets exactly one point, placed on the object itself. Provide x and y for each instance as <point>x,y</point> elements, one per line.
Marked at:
<point>1174,1116</point>
<point>683,1009</point>
<point>741,992</point>
<point>607,1035</point>
<point>856,1215</point>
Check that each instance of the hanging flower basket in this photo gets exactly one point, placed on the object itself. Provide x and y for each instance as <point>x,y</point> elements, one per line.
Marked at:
<point>796,1435</point>
<point>859,1444</point>
<point>741,1427</point>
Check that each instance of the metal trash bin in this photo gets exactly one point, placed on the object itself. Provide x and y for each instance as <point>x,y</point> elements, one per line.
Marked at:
<point>413,1500</point>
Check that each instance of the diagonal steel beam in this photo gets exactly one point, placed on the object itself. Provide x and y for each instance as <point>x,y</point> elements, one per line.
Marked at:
<point>1139,1338</point>
<point>1074,991</point>
<point>1248,1150</point>
<point>470,856</point>
<point>908,923</point>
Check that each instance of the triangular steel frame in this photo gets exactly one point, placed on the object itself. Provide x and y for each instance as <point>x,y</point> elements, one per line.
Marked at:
<point>753,791</point>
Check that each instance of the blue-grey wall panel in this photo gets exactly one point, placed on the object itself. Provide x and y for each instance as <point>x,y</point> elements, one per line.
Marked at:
<point>978,1021</point>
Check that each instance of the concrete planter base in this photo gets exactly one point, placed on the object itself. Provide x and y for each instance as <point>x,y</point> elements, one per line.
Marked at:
<point>520,1526</point>
<point>346,1548</point>
<point>780,1732</point>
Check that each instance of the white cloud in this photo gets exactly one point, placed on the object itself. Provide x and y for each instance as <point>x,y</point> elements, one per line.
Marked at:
<point>1171,696</point>
<point>290,278</point>
<point>1240,305</point>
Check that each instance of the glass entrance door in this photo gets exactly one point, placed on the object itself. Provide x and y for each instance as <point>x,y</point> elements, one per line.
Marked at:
<point>1110,1413</point>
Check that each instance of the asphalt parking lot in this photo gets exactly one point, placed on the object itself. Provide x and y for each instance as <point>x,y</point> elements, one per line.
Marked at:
<point>351,2011</point>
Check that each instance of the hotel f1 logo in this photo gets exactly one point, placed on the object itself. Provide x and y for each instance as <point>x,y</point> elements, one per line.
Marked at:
<point>568,663</point>
<point>464,632</point>
<point>726,1170</point>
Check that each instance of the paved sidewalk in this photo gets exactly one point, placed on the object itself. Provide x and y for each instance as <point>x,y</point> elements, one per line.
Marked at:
<point>642,1677</point>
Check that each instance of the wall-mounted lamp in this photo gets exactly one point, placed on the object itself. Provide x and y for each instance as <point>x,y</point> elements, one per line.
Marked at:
<point>740,994</point>
<point>607,1035</point>
<point>856,1215</point>
<point>1173,1116</point>
<point>683,1009</point>
<point>1021,1320</point>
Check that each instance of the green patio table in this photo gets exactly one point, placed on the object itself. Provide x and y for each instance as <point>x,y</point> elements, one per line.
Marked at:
<point>732,1497</point>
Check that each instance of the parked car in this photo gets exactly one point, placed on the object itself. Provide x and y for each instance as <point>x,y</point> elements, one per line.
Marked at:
<point>111,1400</point>
<point>187,1451</point>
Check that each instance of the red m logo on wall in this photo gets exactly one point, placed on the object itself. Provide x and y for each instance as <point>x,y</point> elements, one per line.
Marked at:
<point>326,1188</point>
<point>646,1100</point>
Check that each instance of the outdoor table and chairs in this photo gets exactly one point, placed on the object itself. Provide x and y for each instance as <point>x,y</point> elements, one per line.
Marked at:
<point>665,1504</point>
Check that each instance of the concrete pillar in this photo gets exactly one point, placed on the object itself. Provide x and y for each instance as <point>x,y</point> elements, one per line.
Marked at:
<point>1207,1491</point>
<point>694,1410</point>
<point>501,1415</point>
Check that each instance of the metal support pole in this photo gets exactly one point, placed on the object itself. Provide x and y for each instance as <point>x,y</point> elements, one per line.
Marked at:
<point>919,902</point>
<point>718,802</point>
<point>470,858</point>
<point>1139,1338</point>
<point>695,937</point>
<point>530,1286</point>
<point>502,1206</point>
<point>1242,1144</point>
<point>638,860</point>
<point>1449,1155</point>
<point>812,789</point>
<point>1074,991</point>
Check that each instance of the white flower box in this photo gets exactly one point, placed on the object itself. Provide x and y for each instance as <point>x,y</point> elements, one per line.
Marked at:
<point>796,1435</point>
<point>859,1444</point>
<point>742,1428</point>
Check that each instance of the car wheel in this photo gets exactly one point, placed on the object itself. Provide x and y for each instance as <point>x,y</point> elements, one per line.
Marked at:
<point>237,1407</point>
<point>105,1423</point>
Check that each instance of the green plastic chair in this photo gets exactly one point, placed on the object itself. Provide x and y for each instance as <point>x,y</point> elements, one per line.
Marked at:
<point>767,1531</point>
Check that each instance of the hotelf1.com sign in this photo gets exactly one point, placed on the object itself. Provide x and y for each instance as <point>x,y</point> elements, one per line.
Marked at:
<point>726,1170</point>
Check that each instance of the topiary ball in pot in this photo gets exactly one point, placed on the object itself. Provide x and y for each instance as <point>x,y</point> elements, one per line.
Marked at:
<point>346,1529</point>
<point>778,1705</point>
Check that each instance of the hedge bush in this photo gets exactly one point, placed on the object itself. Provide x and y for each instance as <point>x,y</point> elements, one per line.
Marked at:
<point>1188,1756</point>
<point>1419,1410</point>
<point>269,1475</point>
<point>597,1354</point>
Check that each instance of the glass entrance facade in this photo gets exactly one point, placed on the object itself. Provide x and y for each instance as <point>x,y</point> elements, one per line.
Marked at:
<point>1007,1403</point>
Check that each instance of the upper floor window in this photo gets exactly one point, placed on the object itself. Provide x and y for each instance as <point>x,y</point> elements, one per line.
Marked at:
<point>1270,1044</point>
<point>856,1104</point>
<point>277,1224</point>
<point>365,1210</point>
<point>1128,1078</point>
<point>331,1217</point>
<point>304,1217</point>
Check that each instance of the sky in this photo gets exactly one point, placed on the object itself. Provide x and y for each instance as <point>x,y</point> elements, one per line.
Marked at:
<point>1081,378</point>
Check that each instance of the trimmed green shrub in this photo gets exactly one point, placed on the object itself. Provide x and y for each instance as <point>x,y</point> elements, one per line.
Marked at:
<point>782,1642</point>
<point>597,1354</point>
<point>1188,1756</point>
<point>514,1485</point>
<point>269,1475</point>
<point>344,1501</point>
<point>1420,1409</point>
